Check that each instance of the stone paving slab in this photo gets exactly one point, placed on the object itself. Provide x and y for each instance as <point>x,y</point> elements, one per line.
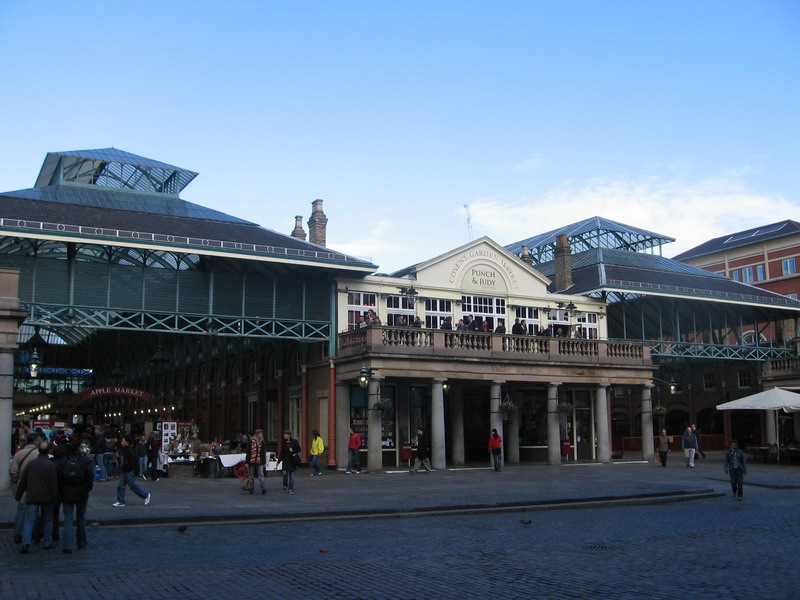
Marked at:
<point>335,493</point>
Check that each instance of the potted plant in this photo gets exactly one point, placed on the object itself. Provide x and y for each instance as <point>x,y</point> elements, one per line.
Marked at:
<point>507,407</point>
<point>382,404</point>
<point>659,410</point>
<point>565,407</point>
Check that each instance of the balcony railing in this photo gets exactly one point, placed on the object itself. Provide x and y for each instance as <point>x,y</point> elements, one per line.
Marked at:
<point>443,343</point>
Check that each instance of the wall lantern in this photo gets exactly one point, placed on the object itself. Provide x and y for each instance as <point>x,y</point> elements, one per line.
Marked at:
<point>363,375</point>
<point>411,295</point>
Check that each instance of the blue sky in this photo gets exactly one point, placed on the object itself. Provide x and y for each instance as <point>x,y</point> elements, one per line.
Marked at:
<point>679,117</point>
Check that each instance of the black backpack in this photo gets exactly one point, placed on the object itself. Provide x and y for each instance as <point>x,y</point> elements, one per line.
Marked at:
<point>73,471</point>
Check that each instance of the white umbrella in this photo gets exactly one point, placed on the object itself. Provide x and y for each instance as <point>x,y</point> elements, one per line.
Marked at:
<point>773,399</point>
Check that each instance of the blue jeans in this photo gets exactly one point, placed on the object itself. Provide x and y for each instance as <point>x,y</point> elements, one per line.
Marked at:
<point>79,508</point>
<point>19,518</point>
<point>288,479</point>
<point>100,462</point>
<point>352,460</point>
<point>498,461</point>
<point>32,511</point>
<point>109,469</point>
<point>142,465</point>
<point>315,464</point>
<point>129,479</point>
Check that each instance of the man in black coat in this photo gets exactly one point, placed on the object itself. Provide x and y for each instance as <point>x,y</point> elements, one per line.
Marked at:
<point>75,493</point>
<point>40,484</point>
<point>423,452</point>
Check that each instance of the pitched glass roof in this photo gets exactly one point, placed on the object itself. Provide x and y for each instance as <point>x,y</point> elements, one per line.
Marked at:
<point>109,167</point>
<point>594,232</point>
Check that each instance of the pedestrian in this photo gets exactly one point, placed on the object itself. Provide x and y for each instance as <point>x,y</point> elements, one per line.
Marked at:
<point>696,432</point>
<point>689,446</point>
<point>290,458</point>
<point>736,467</point>
<point>317,448</point>
<point>353,448</point>
<point>39,484</point>
<point>21,460</point>
<point>77,480</point>
<point>153,451</point>
<point>663,447</point>
<point>496,449</point>
<point>126,475</point>
<point>99,449</point>
<point>423,452</point>
<point>258,459</point>
<point>141,456</point>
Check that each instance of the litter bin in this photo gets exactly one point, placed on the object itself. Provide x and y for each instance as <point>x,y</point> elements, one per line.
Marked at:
<point>565,448</point>
<point>405,451</point>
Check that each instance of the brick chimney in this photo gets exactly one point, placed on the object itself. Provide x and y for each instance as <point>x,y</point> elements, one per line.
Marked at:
<point>298,228</point>
<point>317,224</point>
<point>563,259</point>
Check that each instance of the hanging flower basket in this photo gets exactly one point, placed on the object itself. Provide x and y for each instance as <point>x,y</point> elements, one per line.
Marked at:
<point>660,411</point>
<point>382,405</point>
<point>507,407</point>
<point>565,407</point>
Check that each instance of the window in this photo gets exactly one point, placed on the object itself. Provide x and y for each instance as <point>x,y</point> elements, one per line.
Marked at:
<point>399,306</point>
<point>788,266</point>
<point>531,317</point>
<point>484,309</point>
<point>736,275</point>
<point>587,326</point>
<point>709,381</point>
<point>745,379</point>
<point>760,273</point>
<point>358,303</point>
<point>747,274</point>
<point>436,310</point>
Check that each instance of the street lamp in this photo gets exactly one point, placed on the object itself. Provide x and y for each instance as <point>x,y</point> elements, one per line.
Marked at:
<point>363,375</point>
<point>411,295</point>
<point>673,387</point>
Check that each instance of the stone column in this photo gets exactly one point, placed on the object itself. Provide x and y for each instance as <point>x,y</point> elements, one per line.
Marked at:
<point>11,315</point>
<point>438,456</point>
<point>342,421</point>
<point>648,450</point>
<point>769,426</point>
<point>601,423</point>
<point>374,430</point>
<point>456,410</point>
<point>512,435</point>
<point>495,418</point>
<point>553,428</point>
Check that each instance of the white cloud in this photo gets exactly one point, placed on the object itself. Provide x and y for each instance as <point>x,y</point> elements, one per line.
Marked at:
<point>691,211</point>
<point>534,162</point>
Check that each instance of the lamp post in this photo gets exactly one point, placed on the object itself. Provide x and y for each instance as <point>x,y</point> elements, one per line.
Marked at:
<point>660,408</point>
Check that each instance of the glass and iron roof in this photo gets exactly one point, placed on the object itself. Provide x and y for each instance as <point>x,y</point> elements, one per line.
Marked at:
<point>113,168</point>
<point>594,232</point>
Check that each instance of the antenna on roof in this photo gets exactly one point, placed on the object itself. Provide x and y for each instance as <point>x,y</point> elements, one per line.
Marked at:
<point>471,233</point>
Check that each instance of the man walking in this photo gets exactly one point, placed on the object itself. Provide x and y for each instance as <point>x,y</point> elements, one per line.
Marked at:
<point>18,463</point>
<point>99,450</point>
<point>736,467</point>
<point>689,445</point>
<point>39,483</point>
<point>353,448</point>
<point>423,452</point>
<point>258,458</point>
<point>77,480</point>
<point>127,476</point>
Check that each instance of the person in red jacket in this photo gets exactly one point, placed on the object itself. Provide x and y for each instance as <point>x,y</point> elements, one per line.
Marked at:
<point>353,448</point>
<point>496,448</point>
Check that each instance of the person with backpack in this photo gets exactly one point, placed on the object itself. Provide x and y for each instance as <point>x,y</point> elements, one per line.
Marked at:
<point>127,476</point>
<point>76,481</point>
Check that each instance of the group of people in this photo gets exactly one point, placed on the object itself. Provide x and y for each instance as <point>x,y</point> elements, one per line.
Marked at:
<point>49,477</point>
<point>735,462</point>
<point>289,457</point>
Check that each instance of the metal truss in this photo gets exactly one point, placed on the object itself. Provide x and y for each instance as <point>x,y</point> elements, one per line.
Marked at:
<point>75,324</point>
<point>717,351</point>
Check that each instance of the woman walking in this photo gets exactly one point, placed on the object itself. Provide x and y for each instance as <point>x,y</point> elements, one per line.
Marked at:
<point>496,448</point>
<point>663,447</point>
<point>317,448</point>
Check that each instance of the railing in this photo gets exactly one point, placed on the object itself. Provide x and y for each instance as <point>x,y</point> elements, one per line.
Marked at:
<point>789,365</point>
<point>696,350</point>
<point>412,340</point>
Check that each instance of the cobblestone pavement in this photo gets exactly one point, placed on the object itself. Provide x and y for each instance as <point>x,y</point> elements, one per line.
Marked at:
<point>713,547</point>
